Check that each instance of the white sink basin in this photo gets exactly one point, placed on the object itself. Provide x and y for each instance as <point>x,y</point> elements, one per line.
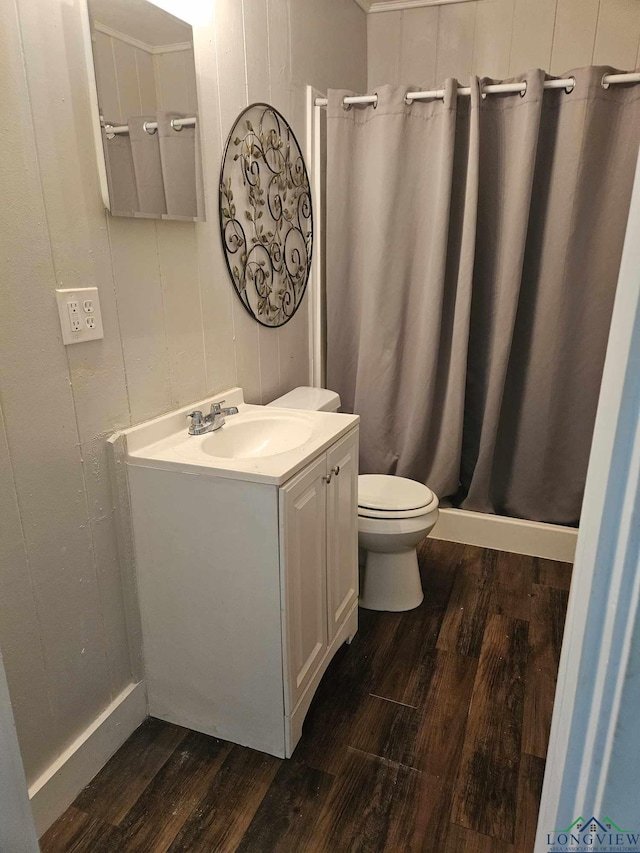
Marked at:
<point>260,444</point>
<point>253,437</point>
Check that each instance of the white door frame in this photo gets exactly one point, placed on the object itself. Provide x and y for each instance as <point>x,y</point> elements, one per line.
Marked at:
<point>605,591</point>
<point>17,829</point>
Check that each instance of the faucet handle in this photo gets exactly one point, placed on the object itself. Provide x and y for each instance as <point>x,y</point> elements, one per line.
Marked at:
<point>216,408</point>
<point>196,417</point>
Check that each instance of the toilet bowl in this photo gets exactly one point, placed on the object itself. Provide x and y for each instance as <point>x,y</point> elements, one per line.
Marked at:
<point>394,516</point>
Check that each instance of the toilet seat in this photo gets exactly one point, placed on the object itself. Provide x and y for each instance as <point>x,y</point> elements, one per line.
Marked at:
<point>365,512</point>
<point>386,496</point>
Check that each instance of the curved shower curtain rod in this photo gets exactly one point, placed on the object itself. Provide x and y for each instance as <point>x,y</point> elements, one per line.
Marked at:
<point>567,83</point>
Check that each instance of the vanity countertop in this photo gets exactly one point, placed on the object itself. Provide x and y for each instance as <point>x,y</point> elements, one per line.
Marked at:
<point>260,434</point>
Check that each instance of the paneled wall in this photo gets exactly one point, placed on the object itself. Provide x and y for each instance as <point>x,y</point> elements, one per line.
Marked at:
<point>174,330</point>
<point>126,78</point>
<point>501,38</point>
<point>175,78</point>
<point>134,81</point>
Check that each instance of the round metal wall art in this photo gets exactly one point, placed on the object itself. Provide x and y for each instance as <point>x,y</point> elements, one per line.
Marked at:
<point>266,218</point>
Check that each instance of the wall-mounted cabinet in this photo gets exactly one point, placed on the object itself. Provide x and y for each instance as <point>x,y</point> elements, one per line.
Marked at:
<point>142,77</point>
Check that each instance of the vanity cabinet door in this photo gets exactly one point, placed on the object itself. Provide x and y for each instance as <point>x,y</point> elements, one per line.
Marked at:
<point>303,533</point>
<point>342,530</point>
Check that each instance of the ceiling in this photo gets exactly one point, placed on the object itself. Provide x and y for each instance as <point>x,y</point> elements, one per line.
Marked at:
<point>140,20</point>
<point>395,5</point>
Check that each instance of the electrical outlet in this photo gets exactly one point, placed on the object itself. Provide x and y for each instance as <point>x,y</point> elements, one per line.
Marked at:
<point>80,315</point>
<point>74,319</point>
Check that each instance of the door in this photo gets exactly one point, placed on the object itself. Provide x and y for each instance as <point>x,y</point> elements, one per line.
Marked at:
<point>303,530</point>
<point>342,530</point>
<point>594,747</point>
<point>17,829</point>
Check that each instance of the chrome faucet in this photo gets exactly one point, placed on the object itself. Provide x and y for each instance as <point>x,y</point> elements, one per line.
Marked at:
<point>214,420</point>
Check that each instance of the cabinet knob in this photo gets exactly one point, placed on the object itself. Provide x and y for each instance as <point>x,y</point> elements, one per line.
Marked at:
<point>327,478</point>
<point>336,470</point>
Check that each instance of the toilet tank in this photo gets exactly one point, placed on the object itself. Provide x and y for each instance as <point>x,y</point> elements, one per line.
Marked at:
<point>311,399</point>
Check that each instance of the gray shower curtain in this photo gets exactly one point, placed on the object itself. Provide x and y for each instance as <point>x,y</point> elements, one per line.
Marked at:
<point>473,247</point>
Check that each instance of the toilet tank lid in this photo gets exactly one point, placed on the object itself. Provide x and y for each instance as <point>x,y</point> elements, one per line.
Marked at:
<point>311,399</point>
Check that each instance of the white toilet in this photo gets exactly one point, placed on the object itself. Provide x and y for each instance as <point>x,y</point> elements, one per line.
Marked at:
<point>394,515</point>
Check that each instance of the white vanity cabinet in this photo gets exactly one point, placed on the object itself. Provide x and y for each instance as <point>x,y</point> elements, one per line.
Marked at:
<point>319,564</point>
<point>248,583</point>
<point>342,525</point>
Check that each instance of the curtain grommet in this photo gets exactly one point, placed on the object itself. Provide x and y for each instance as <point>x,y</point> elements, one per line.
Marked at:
<point>408,101</point>
<point>149,130</point>
<point>604,83</point>
<point>569,89</point>
<point>375,103</point>
<point>523,92</point>
<point>345,106</point>
<point>176,127</point>
<point>483,95</point>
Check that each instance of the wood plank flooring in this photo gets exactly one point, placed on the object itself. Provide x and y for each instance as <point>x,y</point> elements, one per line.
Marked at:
<point>428,733</point>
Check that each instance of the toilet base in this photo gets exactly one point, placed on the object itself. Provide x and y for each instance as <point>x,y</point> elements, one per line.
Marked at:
<point>391,581</point>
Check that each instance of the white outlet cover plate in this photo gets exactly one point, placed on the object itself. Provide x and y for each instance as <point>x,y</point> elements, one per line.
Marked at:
<point>79,294</point>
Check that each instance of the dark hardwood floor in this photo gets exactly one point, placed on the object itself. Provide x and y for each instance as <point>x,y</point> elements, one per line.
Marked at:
<point>428,733</point>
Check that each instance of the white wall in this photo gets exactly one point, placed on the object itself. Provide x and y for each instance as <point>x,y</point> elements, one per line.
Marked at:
<point>174,330</point>
<point>501,38</point>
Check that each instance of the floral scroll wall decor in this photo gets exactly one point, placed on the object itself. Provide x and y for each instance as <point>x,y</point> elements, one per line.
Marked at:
<point>265,215</point>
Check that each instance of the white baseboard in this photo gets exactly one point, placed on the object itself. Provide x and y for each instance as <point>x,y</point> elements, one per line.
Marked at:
<point>551,541</point>
<point>54,791</point>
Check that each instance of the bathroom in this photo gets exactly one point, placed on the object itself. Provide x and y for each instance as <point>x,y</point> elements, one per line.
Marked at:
<point>428,728</point>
